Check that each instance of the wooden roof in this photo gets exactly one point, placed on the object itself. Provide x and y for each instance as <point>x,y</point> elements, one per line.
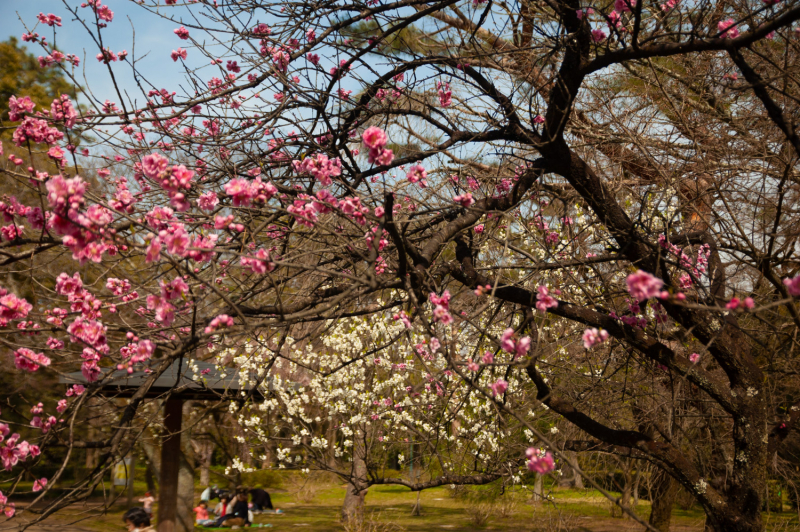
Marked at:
<point>207,383</point>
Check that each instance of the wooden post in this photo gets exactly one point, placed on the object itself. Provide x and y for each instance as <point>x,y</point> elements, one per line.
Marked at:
<point>170,464</point>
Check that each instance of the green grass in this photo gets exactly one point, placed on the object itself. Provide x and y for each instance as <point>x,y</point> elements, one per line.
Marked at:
<point>317,509</point>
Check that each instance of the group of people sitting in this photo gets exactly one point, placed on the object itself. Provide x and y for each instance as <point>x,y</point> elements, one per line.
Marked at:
<point>233,510</point>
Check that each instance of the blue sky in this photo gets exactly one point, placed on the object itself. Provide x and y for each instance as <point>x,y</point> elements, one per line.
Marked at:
<point>154,36</point>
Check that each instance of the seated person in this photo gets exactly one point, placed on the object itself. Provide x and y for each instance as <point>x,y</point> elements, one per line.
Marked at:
<point>201,514</point>
<point>260,499</point>
<point>137,520</point>
<point>223,507</point>
<point>238,515</point>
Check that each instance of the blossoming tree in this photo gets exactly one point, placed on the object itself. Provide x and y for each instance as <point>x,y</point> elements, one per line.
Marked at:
<point>600,196</point>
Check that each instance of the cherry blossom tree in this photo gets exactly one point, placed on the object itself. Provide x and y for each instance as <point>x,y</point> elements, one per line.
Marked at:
<point>588,208</point>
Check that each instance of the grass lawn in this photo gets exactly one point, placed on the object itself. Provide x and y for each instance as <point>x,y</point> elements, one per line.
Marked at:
<point>316,507</point>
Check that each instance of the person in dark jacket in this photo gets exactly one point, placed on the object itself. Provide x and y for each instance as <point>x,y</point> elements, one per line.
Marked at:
<point>260,499</point>
<point>237,515</point>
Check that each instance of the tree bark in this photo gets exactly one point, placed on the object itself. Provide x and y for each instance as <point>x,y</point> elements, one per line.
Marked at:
<point>664,490</point>
<point>353,507</point>
<point>538,489</point>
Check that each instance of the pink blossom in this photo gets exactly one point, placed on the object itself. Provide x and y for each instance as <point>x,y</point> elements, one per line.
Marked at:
<point>728,28</point>
<point>176,240</point>
<point>76,390</point>
<point>624,6</point>
<point>182,33</point>
<point>642,285</point>
<point>540,462</point>
<point>27,360</point>
<point>63,110</point>
<point>239,189</point>
<point>445,94</point>
<point>223,320</point>
<point>473,367</point>
<point>259,263</point>
<point>417,173</point>
<point>36,130</point>
<point>180,53</point>
<point>208,201</point>
<point>498,387</point>
<point>598,35</point>
<point>164,311</point>
<point>465,200</point>
<point>13,307</point>
<point>104,13</point>
<point>320,167</point>
<point>69,286</point>
<point>403,317</point>
<point>593,337</point>
<point>374,138</point>
<point>39,485</point>
<point>544,300</point>
<point>479,228</point>
<point>793,286</point>
<point>49,19</point>
<point>507,341</point>
<point>694,358</point>
<point>19,106</point>
<point>154,165</point>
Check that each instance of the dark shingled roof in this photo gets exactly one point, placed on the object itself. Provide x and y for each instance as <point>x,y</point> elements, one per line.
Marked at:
<point>180,377</point>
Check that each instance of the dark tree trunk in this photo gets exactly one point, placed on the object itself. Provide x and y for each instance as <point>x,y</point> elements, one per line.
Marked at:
<point>664,491</point>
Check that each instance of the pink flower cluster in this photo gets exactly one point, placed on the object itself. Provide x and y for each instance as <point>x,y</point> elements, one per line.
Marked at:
<point>27,360</point>
<point>643,286</point>
<point>138,352</point>
<point>223,320</point>
<point>245,192</point>
<point>182,33</point>
<point>62,110</point>
<point>12,308</point>
<point>418,174</point>
<point>375,139</point>
<point>17,107</point>
<point>180,53</point>
<point>728,28</point>
<point>544,300</point>
<point>498,387</point>
<point>539,461</point>
<point>793,286</point>
<point>518,348</point>
<point>160,304</point>
<point>36,130</point>
<point>402,317</point>
<point>445,94</point>
<point>593,337</point>
<point>465,200</point>
<point>6,507</point>
<point>259,263</point>
<point>320,167</point>
<point>49,19</point>
<point>441,307</point>
<point>14,451</point>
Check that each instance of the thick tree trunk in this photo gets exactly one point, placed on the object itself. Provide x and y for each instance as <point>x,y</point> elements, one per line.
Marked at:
<point>353,507</point>
<point>665,488</point>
